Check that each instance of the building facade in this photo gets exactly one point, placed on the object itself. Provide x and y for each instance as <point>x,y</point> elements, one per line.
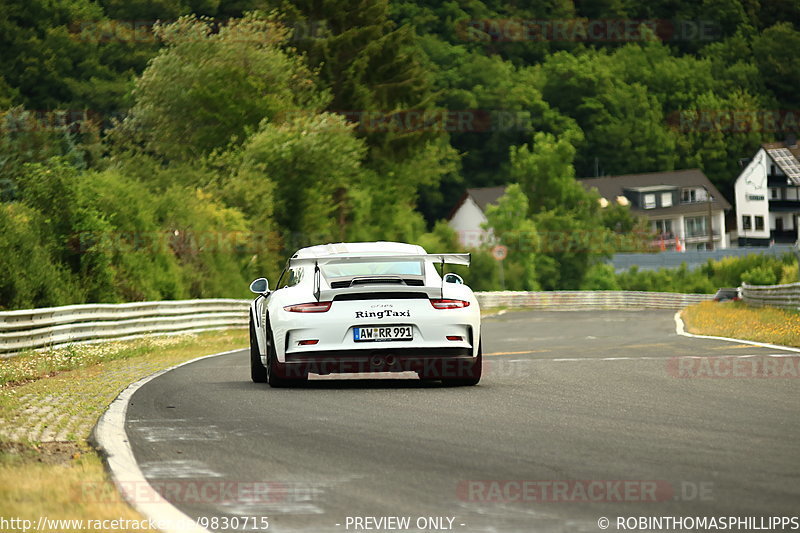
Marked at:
<point>467,218</point>
<point>683,208</point>
<point>768,196</point>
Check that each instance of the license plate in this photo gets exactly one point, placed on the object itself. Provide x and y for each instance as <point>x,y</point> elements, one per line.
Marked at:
<point>382,333</point>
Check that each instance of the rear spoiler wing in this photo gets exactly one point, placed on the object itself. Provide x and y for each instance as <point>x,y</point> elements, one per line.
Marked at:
<point>450,259</point>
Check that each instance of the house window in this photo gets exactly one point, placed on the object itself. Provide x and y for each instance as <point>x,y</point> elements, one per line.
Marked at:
<point>666,199</point>
<point>759,223</point>
<point>773,193</point>
<point>695,226</point>
<point>692,195</point>
<point>663,227</point>
<point>649,201</point>
<point>747,222</point>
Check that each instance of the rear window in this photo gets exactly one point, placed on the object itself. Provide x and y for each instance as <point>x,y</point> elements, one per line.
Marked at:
<point>372,268</point>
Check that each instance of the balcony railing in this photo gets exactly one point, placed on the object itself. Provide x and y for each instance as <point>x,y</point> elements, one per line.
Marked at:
<point>701,235</point>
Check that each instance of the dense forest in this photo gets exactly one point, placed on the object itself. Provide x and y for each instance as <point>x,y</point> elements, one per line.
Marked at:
<point>167,149</point>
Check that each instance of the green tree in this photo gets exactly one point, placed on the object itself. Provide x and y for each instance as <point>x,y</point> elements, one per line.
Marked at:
<point>207,240</point>
<point>30,272</point>
<point>313,162</point>
<point>27,137</point>
<point>378,74</point>
<point>545,173</point>
<point>626,132</point>
<point>508,220</point>
<point>54,57</point>
<point>502,105</point>
<point>776,62</point>
<point>600,277</point>
<point>206,90</point>
<point>371,66</point>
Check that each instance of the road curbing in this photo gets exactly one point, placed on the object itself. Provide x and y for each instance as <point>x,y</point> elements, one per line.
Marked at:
<point>111,441</point>
<point>681,330</point>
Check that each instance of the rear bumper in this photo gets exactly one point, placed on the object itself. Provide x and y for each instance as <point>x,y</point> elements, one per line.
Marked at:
<point>434,363</point>
<point>333,330</point>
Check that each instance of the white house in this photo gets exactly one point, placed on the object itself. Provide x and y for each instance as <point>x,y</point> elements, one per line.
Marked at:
<point>768,196</point>
<point>467,217</point>
<point>676,204</point>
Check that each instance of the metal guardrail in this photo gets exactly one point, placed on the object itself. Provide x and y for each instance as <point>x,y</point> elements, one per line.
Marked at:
<point>73,324</point>
<point>587,300</point>
<point>784,296</point>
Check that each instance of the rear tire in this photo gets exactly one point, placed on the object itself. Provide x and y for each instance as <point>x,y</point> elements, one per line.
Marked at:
<point>471,375</point>
<point>257,371</point>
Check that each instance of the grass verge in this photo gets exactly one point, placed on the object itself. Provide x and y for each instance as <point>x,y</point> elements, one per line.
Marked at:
<point>49,403</point>
<point>740,321</point>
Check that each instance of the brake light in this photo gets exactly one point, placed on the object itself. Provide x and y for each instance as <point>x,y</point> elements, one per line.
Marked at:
<point>449,304</point>
<point>455,338</point>
<point>308,342</point>
<point>313,307</point>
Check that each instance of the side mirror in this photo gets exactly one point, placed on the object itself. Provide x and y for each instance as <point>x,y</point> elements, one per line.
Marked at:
<point>453,278</point>
<point>260,286</point>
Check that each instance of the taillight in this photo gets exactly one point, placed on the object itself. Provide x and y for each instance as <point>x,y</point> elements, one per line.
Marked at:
<point>313,307</point>
<point>449,304</point>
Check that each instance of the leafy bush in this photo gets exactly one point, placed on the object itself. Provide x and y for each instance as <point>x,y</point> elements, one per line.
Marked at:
<point>600,277</point>
<point>789,274</point>
<point>760,276</point>
<point>755,269</point>
<point>729,271</point>
<point>30,273</point>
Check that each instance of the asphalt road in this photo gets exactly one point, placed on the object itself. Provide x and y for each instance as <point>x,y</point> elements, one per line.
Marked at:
<point>583,406</point>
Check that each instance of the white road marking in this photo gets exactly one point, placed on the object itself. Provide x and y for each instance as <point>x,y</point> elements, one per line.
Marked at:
<point>647,358</point>
<point>177,469</point>
<point>515,353</point>
<point>183,433</point>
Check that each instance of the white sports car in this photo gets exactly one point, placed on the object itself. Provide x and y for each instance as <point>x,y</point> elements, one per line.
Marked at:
<point>365,307</point>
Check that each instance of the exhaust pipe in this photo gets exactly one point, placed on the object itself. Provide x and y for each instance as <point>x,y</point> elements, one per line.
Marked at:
<point>376,361</point>
<point>390,360</point>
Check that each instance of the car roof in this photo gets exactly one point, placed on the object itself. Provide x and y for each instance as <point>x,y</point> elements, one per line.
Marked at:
<point>344,249</point>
